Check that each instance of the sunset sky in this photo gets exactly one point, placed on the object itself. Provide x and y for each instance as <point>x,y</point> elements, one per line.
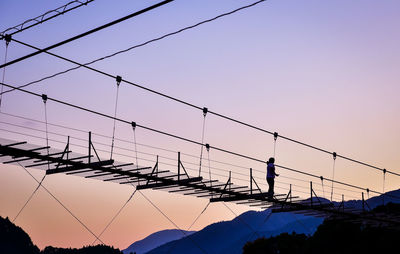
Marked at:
<point>323,72</point>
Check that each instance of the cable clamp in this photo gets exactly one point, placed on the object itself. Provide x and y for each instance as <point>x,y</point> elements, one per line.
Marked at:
<point>208,147</point>
<point>118,79</point>
<point>7,38</point>
<point>322,178</point>
<point>367,190</point>
<point>276,136</point>
<point>44,98</point>
<point>205,110</point>
<point>384,170</point>
<point>334,155</point>
<point>133,125</point>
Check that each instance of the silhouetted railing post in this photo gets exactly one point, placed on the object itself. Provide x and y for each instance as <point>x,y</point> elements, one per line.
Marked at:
<point>230,179</point>
<point>68,148</point>
<point>179,166</point>
<point>251,181</point>
<point>311,193</point>
<point>90,143</point>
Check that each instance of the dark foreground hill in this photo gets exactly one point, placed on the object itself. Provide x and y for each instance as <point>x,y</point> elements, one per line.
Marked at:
<point>14,240</point>
<point>334,237</point>
<point>98,249</point>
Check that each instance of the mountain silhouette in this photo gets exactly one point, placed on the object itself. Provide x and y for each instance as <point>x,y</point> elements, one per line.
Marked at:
<point>336,236</point>
<point>156,239</point>
<point>230,236</point>
<point>217,238</point>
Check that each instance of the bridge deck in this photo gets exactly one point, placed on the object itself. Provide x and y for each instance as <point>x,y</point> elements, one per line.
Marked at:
<point>146,177</point>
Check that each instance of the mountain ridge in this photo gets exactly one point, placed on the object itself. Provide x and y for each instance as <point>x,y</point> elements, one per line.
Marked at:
<point>156,239</point>
<point>227,234</point>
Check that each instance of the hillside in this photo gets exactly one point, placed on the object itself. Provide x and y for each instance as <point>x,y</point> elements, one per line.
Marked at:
<point>333,237</point>
<point>230,236</point>
<point>14,240</point>
<point>154,240</point>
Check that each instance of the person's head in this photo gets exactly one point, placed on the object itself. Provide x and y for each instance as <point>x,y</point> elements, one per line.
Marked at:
<point>271,160</point>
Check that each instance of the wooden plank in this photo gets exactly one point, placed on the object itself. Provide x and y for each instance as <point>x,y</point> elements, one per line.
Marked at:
<point>174,182</point>
<point>78,165</point>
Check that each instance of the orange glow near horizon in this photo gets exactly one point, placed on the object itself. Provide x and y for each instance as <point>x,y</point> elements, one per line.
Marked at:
<point>324,73</point>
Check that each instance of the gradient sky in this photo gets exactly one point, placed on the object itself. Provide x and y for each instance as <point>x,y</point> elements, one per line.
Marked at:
<point>323,72</point>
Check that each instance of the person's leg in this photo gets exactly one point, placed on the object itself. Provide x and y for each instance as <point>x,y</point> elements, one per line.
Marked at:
<point>272,187</point>
<point>270,182</point>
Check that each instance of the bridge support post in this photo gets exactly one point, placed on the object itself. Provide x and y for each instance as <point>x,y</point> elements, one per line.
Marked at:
<point>90,143</point>
<point>179,166</point>
<point>229,181</point>
<point>251,181</point>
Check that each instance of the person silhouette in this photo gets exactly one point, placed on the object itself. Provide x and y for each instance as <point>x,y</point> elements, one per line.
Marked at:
<point>271,177</point>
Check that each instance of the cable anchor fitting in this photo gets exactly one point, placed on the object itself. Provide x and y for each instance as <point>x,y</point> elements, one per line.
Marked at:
<point>7,38</point>
<point>208,147</point>
<point>44,98</point>
<point>205,110</point>
<point>276,136</point>
<point>118,79</point>
<point>133,125</point>
<point>334,155</point>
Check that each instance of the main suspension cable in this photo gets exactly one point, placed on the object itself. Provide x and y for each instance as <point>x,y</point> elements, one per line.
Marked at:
<point>168,158</point>
<point>189,140</point>
<point>126,50</point>
<point>189,104</point>
<point>88,32</point>
<point>197,107</point>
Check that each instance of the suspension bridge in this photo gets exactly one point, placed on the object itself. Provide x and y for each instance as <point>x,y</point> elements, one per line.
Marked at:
<point>173,178</point>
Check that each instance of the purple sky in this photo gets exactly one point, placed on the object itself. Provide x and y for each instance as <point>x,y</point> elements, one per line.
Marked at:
<point>323,72</point>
